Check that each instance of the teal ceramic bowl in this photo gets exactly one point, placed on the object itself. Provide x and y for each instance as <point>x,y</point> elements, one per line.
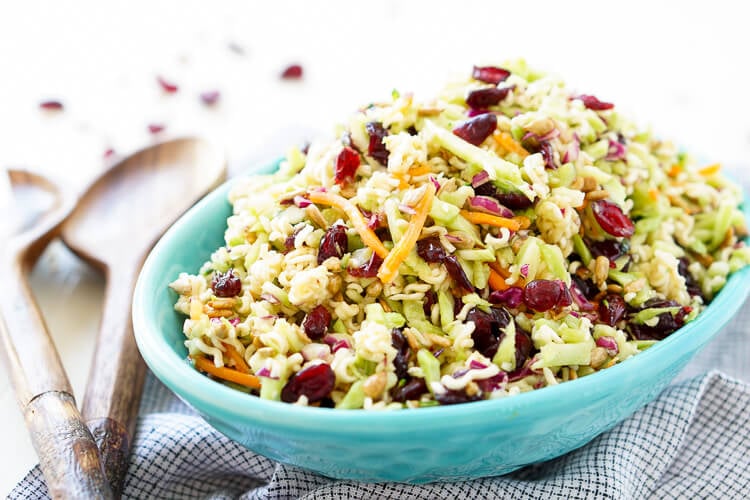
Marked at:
<point>460,442</point>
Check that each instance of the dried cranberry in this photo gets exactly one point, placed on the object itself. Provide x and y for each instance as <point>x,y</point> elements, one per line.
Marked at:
<point>398,339</point>
<point>334,243</point>
<point>292,72</point>
<point>316,323</point>
<point>210,97</point>
<point>401,361</point>
<point>458,304</point>
<point>289,241</point>
<point>682,266</point>
<point>592,102</point>
<point>431,250</point>
<point>476,130</point>
<point>682,314</point>
<point>410,391</point>
<point>109,153</point>
<point>663,328</point>
<point>486,189</point>
<point>376,148</point>
<point>611,249</point>
<point>612,309</point>
<point>692,285</point>
<point>543,295</point>
<point>485,337</point>
<point>514,201</point>
<point>369,270</point>
<point>586,287</point>
<point>155,128</point>
<point>315,382</point>
<point>347,163</point>
<point>383,234</point>
<point>484,98</point>
<point>488,329</point>
<point>524,347</point>
<point>453,397</point>
<point>666,324</point>
<point>430,298</point>
<point>657,302</point>
<point>549,160</point>
<point>166,85</point>
<point>457,273</point>
<point>51,105</point>
<point>490,74</point>
<point>612,219</point>
<point>226,284</point>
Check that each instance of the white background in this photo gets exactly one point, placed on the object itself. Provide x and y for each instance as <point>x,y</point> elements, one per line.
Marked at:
<point>680,67</point>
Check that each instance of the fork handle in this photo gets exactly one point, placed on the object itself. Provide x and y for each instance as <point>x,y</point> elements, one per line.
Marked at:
<point>113,392</point>
<point>68,456</point>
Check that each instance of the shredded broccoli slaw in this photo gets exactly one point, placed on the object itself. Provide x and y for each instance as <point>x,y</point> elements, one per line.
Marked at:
<point>507,235</point>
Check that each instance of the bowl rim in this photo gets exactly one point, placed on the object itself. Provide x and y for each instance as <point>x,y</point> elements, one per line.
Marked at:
<point>180,376</point>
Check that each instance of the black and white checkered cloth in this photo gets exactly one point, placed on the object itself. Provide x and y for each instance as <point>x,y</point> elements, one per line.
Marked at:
<point>693,441</point>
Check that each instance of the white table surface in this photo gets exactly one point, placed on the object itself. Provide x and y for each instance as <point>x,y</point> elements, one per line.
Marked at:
<point>683,69</point>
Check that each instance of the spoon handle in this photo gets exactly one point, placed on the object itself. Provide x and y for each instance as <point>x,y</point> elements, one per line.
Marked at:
<point>68,456</point>
<point>110,405</point>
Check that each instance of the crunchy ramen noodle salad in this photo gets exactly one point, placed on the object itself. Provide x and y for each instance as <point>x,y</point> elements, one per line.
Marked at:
<point>507,235</point>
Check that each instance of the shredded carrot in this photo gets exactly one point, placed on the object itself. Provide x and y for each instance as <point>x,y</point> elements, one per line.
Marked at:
<point>710,170</point>
<point>389,267</point>
<point>525,222</point>
<point>355,216</point>
<point>402,184</point>
<point>421,170</point>
<point>239,362</point>
<point>499,270</point>
<point>507,142</point>
<point>653,193</point>
<point>491,220</point>
<point>675,170</point>
<point>496,281</point>
<point>505,274</point>
<point>225,373</point>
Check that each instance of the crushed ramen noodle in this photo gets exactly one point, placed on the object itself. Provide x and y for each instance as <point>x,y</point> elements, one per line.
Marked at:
<point>507,235</point>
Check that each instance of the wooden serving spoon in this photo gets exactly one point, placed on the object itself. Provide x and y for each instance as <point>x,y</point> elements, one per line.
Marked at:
<point>114,225</point>
<point>68,455</point>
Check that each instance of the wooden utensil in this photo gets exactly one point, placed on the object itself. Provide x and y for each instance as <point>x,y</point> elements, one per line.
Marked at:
<point>114,225</point>
<point>68,455</point>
